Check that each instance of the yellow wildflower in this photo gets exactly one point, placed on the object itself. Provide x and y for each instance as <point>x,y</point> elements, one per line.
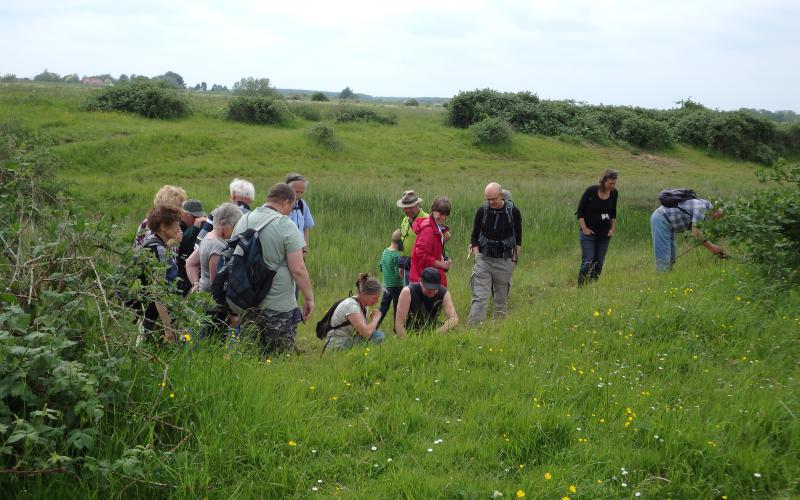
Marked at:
<point>520,493</point>
<point>172,394</point>
<point>597,314</point>
<point>548,476</point>
<point>292,443</point>
<point>572,488</point>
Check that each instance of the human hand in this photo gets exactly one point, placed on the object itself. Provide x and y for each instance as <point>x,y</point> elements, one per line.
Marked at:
<point>445,265</point>
<point>586,231</point>
<point>376,315</point>
<point>198,221</point>
<point>611,232</point>
<point>308,308</point>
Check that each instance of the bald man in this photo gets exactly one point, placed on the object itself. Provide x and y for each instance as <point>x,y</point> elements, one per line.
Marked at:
<point>495,243</point>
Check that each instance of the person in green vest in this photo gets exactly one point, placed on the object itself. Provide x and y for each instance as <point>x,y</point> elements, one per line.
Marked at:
<point>412,209</point>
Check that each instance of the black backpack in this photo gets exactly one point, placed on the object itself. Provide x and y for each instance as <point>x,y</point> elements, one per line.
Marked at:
<point>670,198</point>
<point>244,279</point>
<point>324,325</point>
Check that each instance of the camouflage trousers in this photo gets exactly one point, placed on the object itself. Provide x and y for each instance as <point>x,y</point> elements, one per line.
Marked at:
<point>276,330</point>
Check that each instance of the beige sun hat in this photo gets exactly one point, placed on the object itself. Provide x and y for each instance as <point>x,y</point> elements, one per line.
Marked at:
<point>409,199</point>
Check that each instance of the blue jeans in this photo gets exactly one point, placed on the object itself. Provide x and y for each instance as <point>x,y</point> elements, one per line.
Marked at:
<point>664,246</point>
<point>376,338</point>
<point>593,254</point>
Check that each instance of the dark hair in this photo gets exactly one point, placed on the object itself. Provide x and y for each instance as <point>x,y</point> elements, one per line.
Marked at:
<point>281,192</point>
<point>294,177</point>
<point>441,204</point>
<point>162,215</point>
<point>368,285</point>
<point>608,174</point>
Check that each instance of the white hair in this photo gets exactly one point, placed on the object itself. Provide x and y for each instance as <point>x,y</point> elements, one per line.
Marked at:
<point>241,188</point>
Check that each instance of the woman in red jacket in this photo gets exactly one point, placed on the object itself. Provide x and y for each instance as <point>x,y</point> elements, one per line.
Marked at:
<point>428,249</point>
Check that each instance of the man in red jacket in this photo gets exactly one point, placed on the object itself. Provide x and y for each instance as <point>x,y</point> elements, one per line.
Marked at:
<point>428,248</point>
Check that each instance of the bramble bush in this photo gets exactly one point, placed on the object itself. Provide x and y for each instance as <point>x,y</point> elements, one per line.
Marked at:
<point>259,109</point>
<point>491,131</point>
<point>766,226</point>
<point>739,134</point>
<point>151,99</point>
<point>323,135</point>
<point>353,113</point>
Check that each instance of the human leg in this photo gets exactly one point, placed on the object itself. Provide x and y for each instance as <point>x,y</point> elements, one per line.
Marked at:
<point>663,241</point>
<point>276,330</point>
<point>600,249</point>
<point>386,302</point>
<point>502,269</point>
<point>587,257</point>
<point>481,284</point>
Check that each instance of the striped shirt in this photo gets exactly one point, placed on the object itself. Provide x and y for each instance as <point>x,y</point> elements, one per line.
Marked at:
<point>682,217</point>
<point>391,276</point>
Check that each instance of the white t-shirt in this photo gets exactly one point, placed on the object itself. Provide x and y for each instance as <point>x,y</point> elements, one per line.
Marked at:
<point>343,310</point>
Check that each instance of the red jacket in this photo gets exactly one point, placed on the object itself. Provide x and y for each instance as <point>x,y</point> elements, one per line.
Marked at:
<point>428,247</point>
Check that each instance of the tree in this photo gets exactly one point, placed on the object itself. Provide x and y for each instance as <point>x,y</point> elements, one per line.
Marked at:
<point>346,93</point>
<point>203,86</point>
<point>319,96</point>
<point>253,86</point>
<point>176,77</point>
<point>46,76</point>
<point>122,78</point>
<point>73,78</point>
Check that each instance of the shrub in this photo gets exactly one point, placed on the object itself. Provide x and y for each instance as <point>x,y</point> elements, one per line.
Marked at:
<point>253,86</point>
<point>411,102</point>
<point>307,111</point>
<point>739,134</point>
<point>766,227</point>
<point>259,109</point>
<point>145,98</point>
<point>645,133</point>
<point>363,114</point>
<point>323,135</point>
<point>491,131</point>
<point>320,97</point>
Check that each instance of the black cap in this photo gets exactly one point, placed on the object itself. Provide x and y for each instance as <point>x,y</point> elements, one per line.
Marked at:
<point>194,207</point>
<point>431,279</point>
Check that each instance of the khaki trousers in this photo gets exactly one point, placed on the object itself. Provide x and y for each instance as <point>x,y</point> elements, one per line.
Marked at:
<point>490,277</point>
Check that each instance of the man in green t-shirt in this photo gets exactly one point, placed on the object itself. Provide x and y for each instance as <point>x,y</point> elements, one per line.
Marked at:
<point>282,244</point>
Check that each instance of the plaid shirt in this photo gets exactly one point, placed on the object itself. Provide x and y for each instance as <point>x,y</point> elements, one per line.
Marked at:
<point>686,213</point>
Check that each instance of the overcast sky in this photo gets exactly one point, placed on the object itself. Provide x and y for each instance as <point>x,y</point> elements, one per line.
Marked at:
<point>725,54</point>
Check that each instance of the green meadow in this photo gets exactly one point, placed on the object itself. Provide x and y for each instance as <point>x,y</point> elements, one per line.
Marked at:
<point>676,385</point>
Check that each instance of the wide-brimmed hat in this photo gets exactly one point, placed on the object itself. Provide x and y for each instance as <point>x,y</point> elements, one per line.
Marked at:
<point>194,207</point>
<point>408,200</point>
<point>431,279</point>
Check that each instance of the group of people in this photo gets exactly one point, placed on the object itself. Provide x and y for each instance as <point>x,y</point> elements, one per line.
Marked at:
<point>414,267</point>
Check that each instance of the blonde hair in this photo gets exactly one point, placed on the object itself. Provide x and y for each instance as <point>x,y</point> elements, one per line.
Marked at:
<point>397,235</point>
<point>170,196</point>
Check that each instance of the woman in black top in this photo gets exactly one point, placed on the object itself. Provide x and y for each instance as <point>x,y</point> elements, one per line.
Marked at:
<point>597,215</point>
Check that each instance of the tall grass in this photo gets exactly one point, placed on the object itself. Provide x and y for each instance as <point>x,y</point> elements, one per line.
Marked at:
<point>680,385</point>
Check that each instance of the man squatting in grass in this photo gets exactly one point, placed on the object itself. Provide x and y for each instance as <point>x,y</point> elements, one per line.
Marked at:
<point>496,241</point>
<point>666,221</point>
<point>420,303</point>
<point>276,318</point>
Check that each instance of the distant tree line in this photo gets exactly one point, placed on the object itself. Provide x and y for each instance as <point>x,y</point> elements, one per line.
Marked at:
<point>739,134</point>
<point>783,116</point>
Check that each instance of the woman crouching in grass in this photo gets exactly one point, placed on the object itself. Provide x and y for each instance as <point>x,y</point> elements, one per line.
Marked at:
<point>349,325</point>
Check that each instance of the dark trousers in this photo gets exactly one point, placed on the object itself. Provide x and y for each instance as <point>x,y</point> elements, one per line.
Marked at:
<point>390,297</point>
<point>593,253</point>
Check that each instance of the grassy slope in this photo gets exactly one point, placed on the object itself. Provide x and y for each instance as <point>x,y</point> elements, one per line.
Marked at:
<point>703,358</point>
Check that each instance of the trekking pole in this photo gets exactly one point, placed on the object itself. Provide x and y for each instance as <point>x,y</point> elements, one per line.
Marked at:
<point>689,250</point>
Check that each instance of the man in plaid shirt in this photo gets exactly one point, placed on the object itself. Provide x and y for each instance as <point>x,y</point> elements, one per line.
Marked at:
<point>665,222</point>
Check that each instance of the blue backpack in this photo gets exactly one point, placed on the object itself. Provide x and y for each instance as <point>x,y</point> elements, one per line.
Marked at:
<point>244,279</point>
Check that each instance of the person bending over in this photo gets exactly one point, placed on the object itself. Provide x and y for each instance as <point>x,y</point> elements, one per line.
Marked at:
<point>420,303</point>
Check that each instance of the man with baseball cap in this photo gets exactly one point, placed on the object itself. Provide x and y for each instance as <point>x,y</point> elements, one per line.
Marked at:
<point>192,218</point>
<point>420,303</point>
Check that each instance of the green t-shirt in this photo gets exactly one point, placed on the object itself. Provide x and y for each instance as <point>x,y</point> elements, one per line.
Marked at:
<point>391,275</point>
<point>407,234</point>
<point>278,238</point>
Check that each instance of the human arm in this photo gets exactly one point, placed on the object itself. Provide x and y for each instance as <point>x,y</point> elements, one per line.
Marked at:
<point>584,228</point>
<point>401,312</point>
<point>715,249</point>
<point>213,262</point>
<point>613,228</point>
<point>449,312</point>
<point>305,238</point>
<point>297,267</point>
<point>166,322</point>
<point>193,269</point>
<point>583,208</point>
<point>363,328</point>
<point>476,232</point>
<point>613,214</point>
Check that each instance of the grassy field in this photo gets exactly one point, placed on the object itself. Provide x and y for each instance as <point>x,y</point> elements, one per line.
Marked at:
<point>681,385</point>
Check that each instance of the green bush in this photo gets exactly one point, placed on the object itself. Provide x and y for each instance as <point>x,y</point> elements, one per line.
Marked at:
<point>766,226</point>
<point>146,98</point>
<point>344,114</point>
<point>259,109</point>
<point>645,133</point>
<point>491,131</point>
<point>307,111</point>
<point>323,135</point>
<point>319,97</point>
